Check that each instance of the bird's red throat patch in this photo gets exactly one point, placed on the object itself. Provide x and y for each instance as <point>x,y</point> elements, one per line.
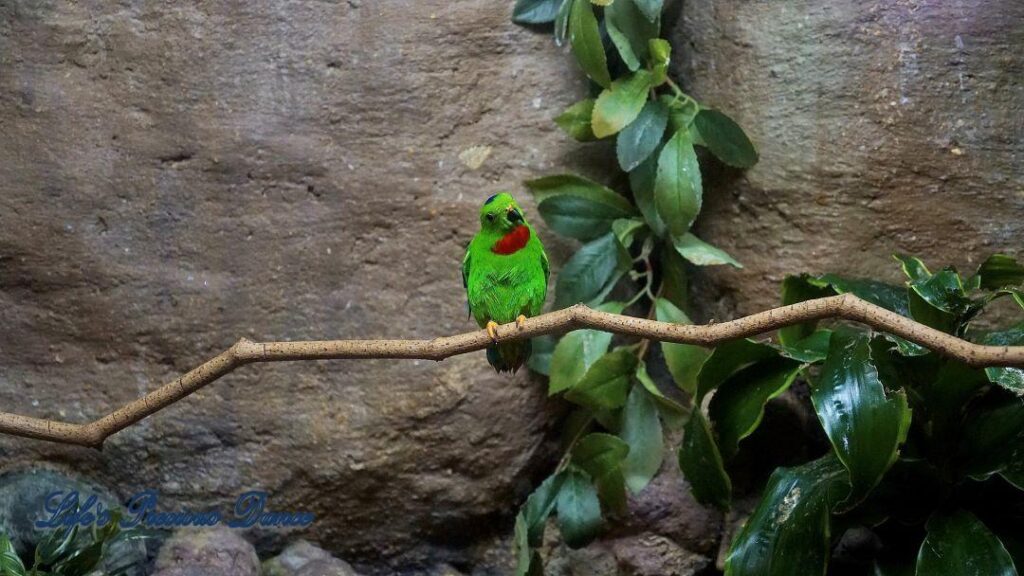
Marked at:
<point>512,242</point>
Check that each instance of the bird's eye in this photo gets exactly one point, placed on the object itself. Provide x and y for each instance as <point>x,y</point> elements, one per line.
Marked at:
<point>490,217</point>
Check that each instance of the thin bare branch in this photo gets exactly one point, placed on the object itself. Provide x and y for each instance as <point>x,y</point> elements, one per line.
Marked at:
<point>847,307</point>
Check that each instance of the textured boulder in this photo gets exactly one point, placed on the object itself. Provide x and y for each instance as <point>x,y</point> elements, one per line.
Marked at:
<point>883,127</point>
<point>307,559</point>
<point>176,176</point>
<point>218,550</point>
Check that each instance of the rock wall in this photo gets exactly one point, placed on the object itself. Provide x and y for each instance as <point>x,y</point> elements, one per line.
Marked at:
<point>174,176</point>
<point>882,126</point>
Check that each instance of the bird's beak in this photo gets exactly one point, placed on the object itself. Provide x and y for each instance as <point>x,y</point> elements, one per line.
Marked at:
<point>514,215</point>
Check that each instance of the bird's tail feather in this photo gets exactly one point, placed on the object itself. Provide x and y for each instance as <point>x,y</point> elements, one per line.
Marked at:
<point>509,356</point>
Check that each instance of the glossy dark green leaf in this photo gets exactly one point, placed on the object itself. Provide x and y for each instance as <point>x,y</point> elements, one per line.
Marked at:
<point>661,54</point>
<point>865,424</point>
<point>943,290</point>
<point>10,563</point>
<point>542,347</point>
<point>620,103</point>
<point>650,8</point>
<point>728,358</point>
<point>637,141</point>
<point>56,544</point>
<point>592,272</point>
<point>577,351</point>
<point>789,531</point>
<point>1000,271</point>
<point>992,436</point>
<point>535,11</point>
<point>641,430</point>
<point>579,510</point>
<point>1010,378</point>
<point>671,410</point>
<point>641,182</point>
<point>702,465</point>
<point>81,561</point>
<point>677,185</point>
<point>572,185</point>
<point>630,31</point>
<point>601,455</point>
<point>958,544</point>
<point>562,22</point>
<point>913,267</point>
<point>701,253</point>
<point>575,121</point>
<point>539,506</point>
<point>893,298</point>
<point>725,139</point>
<point>606,382</point>
<point>580,218</point>
<point>811,349</point>
<point>797,289</point>
<point>684,360</point>
<point>585,38</point>
<point>738,405</point>
<point>930,315</point>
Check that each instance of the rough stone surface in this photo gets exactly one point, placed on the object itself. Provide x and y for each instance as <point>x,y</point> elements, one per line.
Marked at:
<point>882,126</point>
<point>219,549</point>
<point>176,176</point>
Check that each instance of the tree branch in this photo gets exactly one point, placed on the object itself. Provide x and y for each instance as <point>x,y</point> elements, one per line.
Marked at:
<point>847,307</point>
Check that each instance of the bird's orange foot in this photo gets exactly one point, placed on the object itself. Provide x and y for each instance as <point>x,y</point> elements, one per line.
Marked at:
<point>492,330</point>
<point>521,321</point>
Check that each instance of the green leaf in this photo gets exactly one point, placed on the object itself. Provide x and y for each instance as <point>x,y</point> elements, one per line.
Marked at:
<point>789,531</point>
<point>642,136</point>
<point>677,186</point>
<point>738,405</point>
<point>958,544</point>
<point>606,383</point>
<point>572,185</point>
<point>601,455</point>
<point>701,463</point>
<point>539,506</point>
<point>650,8</point>
<point>684,360</point>
<point>913,267</point>
<point>630,31</point>
<point>575,121</point>
<point>585,38</point>
<point>1010,378</point>
<point>535,11</point>
<point>725,139</point>
<point>865,425</point>
<point>620,104</point>
<point>540,356</point>
<point>797,289</point>
<point>10,563</point>
<point>992,436</point>
<point>674,285</point>
<point>728,358</point>
<point>671,410</point>
<point>579,510</point>
<point>577,351</point>
<point>625,229</point>
<point>521,546</point>
<point>641,430</point>
<point>592,272</point>
<point>701,253</point>
<point>1000,271</point>
<point>641,182</point>
<point>661,54</point>
<point>893,298</point>
<point>578,217</point>
<point>56,544</point>
<point>562,22</point>
<point>813,348</point>
<point>943,290</point>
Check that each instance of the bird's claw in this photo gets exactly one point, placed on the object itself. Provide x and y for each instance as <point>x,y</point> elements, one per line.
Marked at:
<point>492,330</point>
<point>521,321</point>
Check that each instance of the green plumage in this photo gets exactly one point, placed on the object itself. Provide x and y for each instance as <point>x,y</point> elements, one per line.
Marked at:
<point>505,273</point>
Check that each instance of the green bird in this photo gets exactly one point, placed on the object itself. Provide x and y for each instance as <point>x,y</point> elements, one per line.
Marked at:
<point>505,273</point>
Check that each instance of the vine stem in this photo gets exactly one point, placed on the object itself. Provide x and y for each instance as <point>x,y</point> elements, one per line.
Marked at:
<point>846,306</point>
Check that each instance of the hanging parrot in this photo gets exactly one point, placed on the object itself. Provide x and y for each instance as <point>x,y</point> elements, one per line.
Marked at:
<point>505,273</point>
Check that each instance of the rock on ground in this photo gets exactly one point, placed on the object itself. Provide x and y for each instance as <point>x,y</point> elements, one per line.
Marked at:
<point>220,550</point>
<point>305,558</point>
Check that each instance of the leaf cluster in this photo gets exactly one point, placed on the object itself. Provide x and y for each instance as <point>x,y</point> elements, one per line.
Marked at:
<point>71,551</point>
